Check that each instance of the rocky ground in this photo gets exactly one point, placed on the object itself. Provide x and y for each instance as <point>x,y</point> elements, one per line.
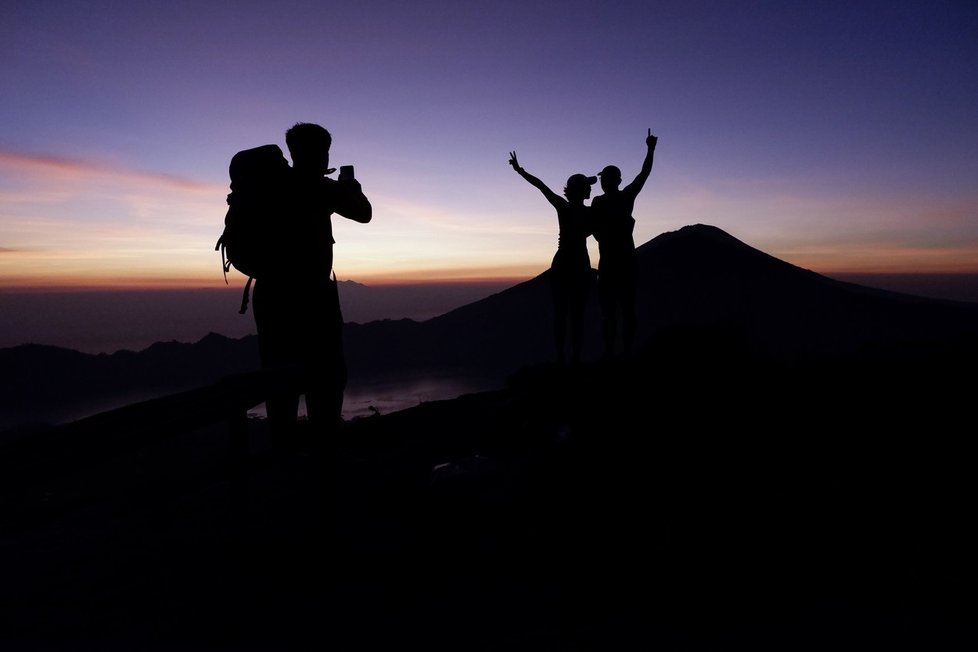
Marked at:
<point>689,500</point>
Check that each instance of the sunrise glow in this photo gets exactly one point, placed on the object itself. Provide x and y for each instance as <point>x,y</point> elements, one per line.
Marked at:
<point>804,134</point>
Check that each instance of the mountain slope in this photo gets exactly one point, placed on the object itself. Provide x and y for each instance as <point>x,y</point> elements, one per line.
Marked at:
<point>702,277</point>
<point>698,278</point>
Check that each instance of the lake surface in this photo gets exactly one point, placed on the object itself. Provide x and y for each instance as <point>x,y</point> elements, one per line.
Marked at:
<point>365,398</point>
<point>392,395</point>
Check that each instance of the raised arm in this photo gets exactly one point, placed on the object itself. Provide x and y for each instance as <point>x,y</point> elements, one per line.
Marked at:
<point>556,200</point>
<point>351,202</point>
<point>635,186</point>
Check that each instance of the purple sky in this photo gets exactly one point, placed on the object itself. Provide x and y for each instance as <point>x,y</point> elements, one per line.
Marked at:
<point>839,136</point>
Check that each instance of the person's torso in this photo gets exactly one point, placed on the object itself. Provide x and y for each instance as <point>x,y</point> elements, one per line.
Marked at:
<point>574,227</point>
<point>304,231</point>
<point>614,225</point>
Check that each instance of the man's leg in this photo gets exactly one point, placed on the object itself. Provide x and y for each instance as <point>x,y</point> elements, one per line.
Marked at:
<point>609,318</point>
<point>324,399</point>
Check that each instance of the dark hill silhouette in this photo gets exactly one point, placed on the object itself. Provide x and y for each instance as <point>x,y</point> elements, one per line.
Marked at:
<point>47,384</point>
<point>696,284</point>
<point>701,277</point>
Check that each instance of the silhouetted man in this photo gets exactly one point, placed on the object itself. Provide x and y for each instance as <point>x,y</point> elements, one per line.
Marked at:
<point>613,229</point>
<point>296,304</point>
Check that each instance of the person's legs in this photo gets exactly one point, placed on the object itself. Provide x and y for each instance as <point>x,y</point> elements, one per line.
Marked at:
<point>282,409</point>
<point>561,306</point>
<point>270,308</point>
<point>326,382</point>
<point>629,320</point>
<point>609,305</point>
<point>324,398</point>
<point>579,298</point>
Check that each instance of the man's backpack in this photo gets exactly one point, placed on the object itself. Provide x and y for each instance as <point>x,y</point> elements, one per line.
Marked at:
<point>248,243</point>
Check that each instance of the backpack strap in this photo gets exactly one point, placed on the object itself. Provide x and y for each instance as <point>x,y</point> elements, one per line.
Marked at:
<point>225,263</point>
<point>222,247</point>
<point>245,296</point>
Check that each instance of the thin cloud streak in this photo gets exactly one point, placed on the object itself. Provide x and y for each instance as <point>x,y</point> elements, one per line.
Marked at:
<point>54,169</point>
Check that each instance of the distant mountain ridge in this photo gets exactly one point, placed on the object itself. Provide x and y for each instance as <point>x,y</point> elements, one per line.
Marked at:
<point>48,384</point>
<point>697,280</point>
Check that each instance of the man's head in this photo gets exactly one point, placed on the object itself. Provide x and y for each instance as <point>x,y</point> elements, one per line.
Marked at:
<point>308,145</point>
<point>579,186</point>
<point>610,178</point>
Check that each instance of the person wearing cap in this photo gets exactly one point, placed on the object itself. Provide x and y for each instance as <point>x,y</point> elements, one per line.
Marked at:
<point>570,269</point>
<point>613,228</point>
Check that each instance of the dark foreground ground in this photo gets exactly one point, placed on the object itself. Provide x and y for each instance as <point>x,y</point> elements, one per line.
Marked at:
<point>678,502</point>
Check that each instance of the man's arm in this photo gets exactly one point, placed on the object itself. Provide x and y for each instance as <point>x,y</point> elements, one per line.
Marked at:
<point>636,186</point>
<point>352,203</point>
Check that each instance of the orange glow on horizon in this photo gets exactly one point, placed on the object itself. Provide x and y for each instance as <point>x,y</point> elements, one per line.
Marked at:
<point>40,270</point>
<point>235,281</point>
<point>445,276</point>
<point>885,259</point>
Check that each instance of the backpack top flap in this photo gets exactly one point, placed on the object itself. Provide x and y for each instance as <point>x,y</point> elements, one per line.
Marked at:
<point>257,170</point>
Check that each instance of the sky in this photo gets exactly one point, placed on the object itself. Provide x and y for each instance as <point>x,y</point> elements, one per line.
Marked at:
<point>838,136</point>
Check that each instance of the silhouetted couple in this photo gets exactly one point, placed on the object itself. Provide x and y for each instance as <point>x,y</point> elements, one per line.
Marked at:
<point>609,219</point>
<point>296,303</point>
